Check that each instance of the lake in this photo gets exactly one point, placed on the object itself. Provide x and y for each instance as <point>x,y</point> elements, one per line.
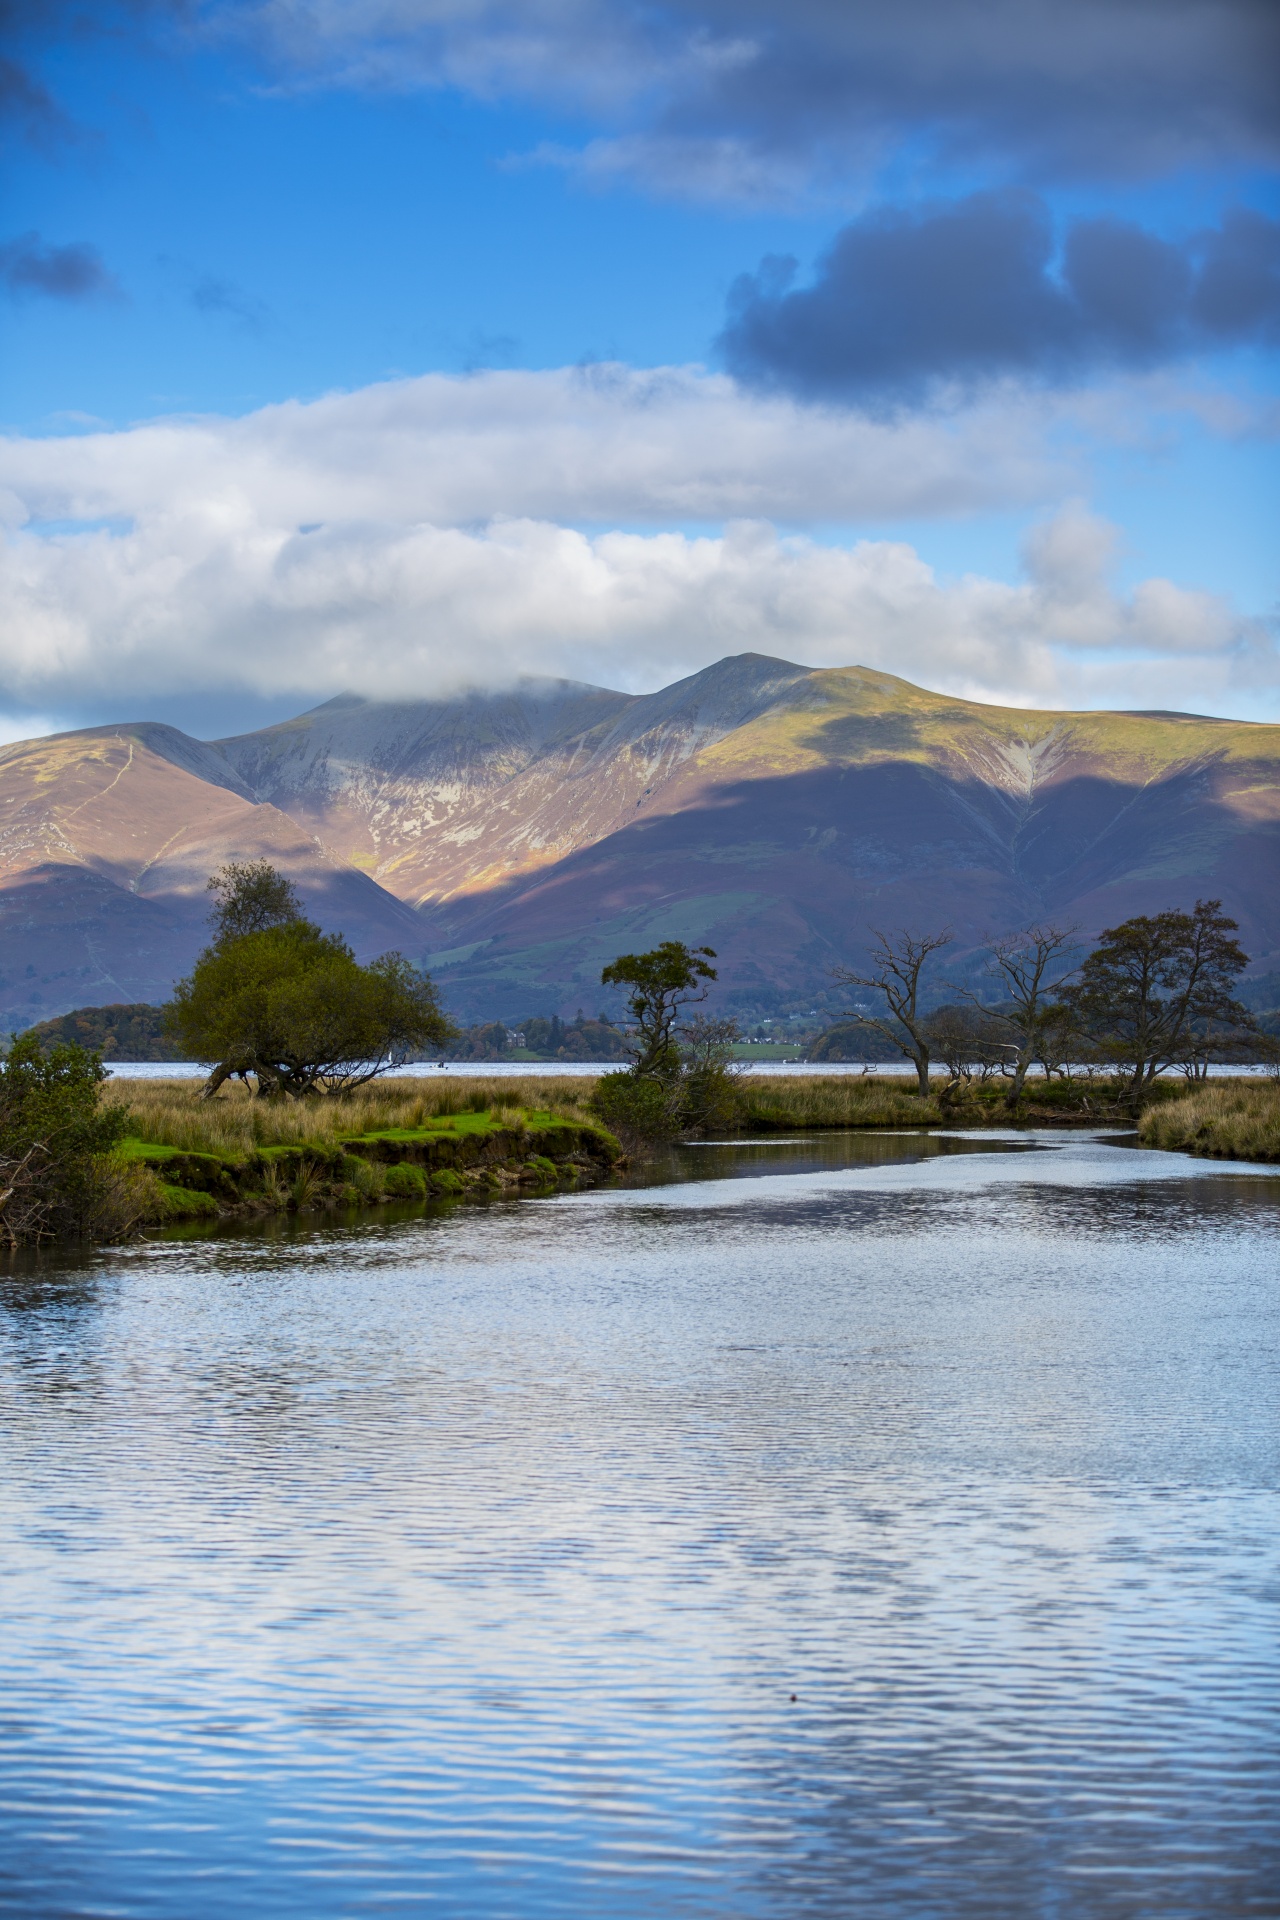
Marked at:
<point>854,1525</point>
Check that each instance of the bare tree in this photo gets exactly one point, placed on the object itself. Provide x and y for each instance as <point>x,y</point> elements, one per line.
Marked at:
<point>1027,966</point>
<point>970,1042</point>
<point>900,960</point>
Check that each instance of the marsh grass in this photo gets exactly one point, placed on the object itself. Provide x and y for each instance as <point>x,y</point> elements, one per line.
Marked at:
<point>843,1102</point>
<point>1235,1122</point>
<point>170,1113</point>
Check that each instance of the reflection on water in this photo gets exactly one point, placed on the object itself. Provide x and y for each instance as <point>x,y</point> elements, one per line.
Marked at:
<point>866,1526</point>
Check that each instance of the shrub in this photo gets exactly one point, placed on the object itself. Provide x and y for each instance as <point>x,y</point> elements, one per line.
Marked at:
<point>446,1181</point>
<point>57,1177</point>
<point>640,1110</point>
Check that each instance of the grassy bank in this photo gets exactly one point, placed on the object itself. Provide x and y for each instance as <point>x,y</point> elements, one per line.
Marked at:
<point>852,1101</point>
<point>398,1141</point>
<point>1236,1122</point>
<point>415,1140</point>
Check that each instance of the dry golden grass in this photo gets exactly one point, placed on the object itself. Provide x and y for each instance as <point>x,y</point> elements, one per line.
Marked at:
<point>834,1102</point>
<point>171,1113</point>
<point>1231,1122</point>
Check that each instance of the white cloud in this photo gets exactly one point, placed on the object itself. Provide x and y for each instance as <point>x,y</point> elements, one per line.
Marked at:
<point>411,537</point>
<point>601,443</point>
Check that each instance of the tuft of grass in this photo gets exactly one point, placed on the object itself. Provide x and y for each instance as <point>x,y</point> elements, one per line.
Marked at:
<point>1232,1122</point>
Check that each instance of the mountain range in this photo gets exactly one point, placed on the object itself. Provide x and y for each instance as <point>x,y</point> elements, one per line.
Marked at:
<point>517,840</point>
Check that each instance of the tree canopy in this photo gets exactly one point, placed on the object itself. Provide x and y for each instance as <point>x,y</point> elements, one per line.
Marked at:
<point>249,896</point>
<point>276,998</point>
<point>1156,988</point>
<point>661,982</point>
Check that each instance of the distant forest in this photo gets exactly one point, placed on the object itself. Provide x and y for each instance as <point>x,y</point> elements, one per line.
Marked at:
<point>541,1037</point>
<point>126,1032</point>
<point>136,1032</point>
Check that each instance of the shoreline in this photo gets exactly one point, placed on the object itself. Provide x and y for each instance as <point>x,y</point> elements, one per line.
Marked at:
<point>236,1157</point>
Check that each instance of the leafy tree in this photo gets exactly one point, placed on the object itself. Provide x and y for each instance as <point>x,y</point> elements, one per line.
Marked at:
<point>1154,984</point>
<point>292,1006</point>
<point>900,961</point>
<point>250,895</point>
<point>55,1139</point>
<point>661,983</point>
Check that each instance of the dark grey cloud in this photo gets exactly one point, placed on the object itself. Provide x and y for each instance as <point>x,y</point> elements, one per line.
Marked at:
<point>1098,89</point>
<point>72,272</point>
<point>1026,90</point>
<point>978,289</point>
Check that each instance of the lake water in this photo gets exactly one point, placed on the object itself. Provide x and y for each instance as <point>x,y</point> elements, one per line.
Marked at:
<point>864,1525</point>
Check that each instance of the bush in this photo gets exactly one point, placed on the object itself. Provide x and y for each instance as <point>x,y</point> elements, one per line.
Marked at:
<point>642,1111</point>
<point>404,1182</point>
<point>57,1177</point>
<point>712,1100</point>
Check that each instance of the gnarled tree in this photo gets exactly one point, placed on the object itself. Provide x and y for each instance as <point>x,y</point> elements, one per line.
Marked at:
<point>899,961</point>
<point>275,998</point>
<point>1155,982</point>
<point>1031,970</point>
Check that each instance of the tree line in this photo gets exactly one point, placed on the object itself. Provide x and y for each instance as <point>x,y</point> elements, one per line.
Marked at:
<point>1156,992</point>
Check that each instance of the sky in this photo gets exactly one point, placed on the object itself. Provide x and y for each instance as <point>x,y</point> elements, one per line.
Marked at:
<point>394,346</point>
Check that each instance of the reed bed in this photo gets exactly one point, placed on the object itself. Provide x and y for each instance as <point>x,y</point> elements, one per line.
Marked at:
<point>171,1113</point>
<point>843,1102</point>
<point>1222,1122</point>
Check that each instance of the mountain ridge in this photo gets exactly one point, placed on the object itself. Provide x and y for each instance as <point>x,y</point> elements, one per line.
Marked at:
<point>520,838</point>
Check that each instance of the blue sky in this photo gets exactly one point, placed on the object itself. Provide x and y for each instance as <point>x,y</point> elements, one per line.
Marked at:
<point>975,307</point>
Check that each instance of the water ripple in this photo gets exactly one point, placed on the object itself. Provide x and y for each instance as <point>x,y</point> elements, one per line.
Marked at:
<point>882,1538</point>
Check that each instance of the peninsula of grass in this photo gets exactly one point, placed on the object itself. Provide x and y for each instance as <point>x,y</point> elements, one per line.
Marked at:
<point>1237,1121</point>
<point>395,1142</point>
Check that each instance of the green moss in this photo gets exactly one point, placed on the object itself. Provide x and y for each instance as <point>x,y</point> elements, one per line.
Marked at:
<point>405,1182</point>
<point>183,1203</point>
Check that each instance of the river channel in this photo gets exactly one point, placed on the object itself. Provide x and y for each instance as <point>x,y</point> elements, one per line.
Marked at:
<point>860,1525</point>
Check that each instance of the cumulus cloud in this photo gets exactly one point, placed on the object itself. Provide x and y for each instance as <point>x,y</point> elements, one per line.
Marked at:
<point>72,272</point>
<point>309,549</point>
<point>974,290</point>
